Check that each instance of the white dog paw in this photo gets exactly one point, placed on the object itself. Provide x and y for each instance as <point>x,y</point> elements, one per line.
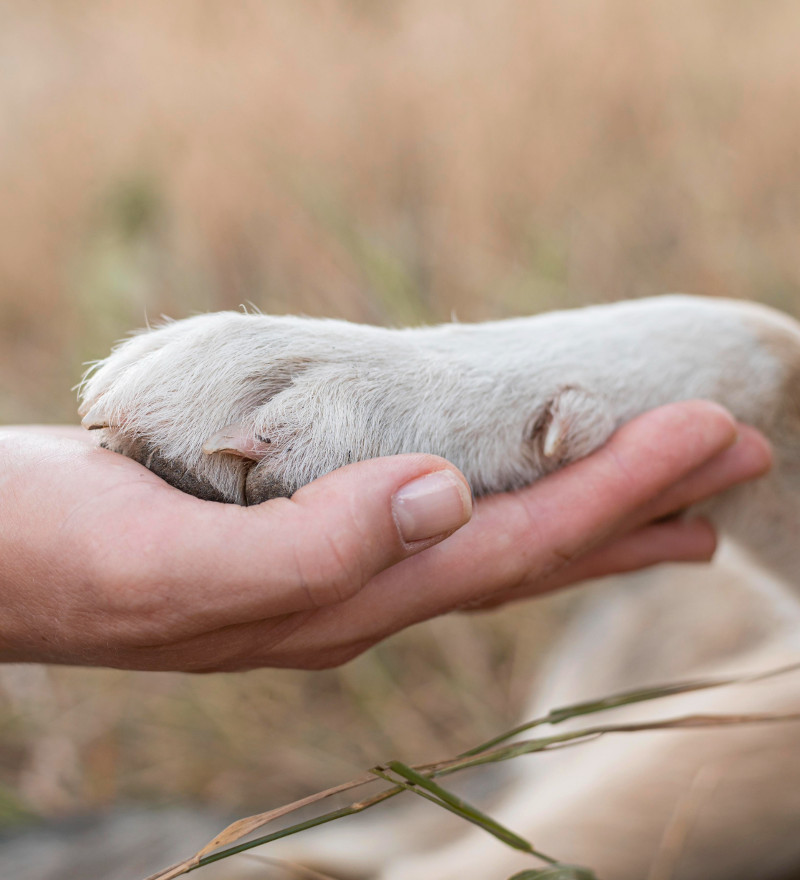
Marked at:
<point>244,408</point>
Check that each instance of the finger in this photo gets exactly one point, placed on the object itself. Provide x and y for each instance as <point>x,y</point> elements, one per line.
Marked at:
<point>748,458</point>
<point>581,506</point>
<point>674,541</point>
<point>317,548</point>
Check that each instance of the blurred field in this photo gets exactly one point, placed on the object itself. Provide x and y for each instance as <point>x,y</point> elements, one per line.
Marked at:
<point>391,162</point>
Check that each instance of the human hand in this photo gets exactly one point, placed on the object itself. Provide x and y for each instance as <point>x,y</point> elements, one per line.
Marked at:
<point>105,564</point>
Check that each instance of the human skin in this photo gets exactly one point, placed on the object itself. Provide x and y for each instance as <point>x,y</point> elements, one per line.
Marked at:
<point>104,564</point>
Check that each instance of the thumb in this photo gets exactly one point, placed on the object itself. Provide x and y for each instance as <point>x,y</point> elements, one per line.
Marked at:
<point>322,545</point>
<point>366,517</point>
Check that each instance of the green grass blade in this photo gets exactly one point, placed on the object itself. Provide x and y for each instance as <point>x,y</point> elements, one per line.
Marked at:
<point>556,872</point>
<point>626,698</point>
<point>467,811</point>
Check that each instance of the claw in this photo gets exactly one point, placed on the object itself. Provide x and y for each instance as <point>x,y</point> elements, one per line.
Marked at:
<point>236,440</point>
<point>554,438</point>
<point>573,423</point>
<point>94,419</point>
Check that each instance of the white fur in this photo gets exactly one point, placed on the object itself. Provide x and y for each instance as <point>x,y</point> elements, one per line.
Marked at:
<point>327,392</point>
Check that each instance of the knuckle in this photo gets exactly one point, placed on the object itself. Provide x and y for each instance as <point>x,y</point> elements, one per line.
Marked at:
<point>331,574</point>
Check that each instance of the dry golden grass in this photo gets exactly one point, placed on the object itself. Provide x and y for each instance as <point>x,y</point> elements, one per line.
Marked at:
<point>392,162</point>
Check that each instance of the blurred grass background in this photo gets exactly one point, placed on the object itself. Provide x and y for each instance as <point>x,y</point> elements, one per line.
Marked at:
<point>394,162</point>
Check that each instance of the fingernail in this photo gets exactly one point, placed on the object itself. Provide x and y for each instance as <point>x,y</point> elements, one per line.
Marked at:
<point>756,452</point>
<point>431,506</point>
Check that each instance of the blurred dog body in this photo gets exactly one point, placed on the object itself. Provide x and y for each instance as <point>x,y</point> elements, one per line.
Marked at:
<point>535,394</point>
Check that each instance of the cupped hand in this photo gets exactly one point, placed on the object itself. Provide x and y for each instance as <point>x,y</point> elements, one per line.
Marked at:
<point>102,563</point>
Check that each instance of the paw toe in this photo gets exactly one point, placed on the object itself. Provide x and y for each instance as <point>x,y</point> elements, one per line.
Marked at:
<point>262,484</point>
<point>572,424</point>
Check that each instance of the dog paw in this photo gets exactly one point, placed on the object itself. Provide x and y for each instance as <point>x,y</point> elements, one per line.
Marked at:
<point>243,408</point>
